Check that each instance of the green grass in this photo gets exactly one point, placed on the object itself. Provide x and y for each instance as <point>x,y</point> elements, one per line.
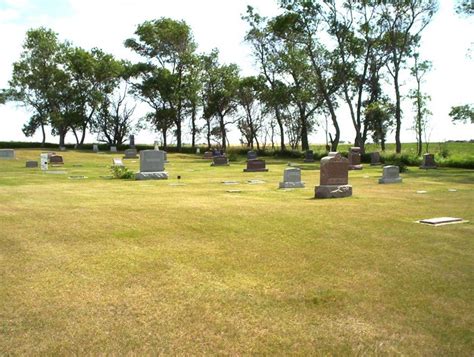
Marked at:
<point>101,266</point>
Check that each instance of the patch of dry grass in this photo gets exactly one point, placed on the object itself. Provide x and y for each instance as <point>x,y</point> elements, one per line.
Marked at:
<point>112,266</point>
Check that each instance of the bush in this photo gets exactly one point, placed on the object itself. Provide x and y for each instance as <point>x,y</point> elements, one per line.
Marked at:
<point>121,172</point>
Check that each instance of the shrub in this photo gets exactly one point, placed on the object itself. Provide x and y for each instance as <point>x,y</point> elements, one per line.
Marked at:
<point>121,172</point>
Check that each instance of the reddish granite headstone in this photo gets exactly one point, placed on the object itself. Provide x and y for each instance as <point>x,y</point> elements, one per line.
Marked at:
<point>334,177</point>
<point>255,165</point>
<point>56,160</point>
<point>354,159</point>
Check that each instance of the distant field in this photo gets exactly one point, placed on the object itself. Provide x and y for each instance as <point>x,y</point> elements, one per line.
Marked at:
<point>101,266</point>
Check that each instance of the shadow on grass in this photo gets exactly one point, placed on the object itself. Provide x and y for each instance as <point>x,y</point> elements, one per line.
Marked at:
<point>443,175</point>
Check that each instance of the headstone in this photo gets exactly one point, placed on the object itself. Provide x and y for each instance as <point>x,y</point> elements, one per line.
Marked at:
<point>44,160</point>
<point>217,152</point>
<point>56,160</point>
<point>132,141</point>
<point>391,174</point>
<point>220,161</point>
<point>375,158</point>
<point>7,154</point>
<point>428,162</point>
<point>152,165</point>
<point>208,155</point>
<point>166,156</point>
<point>130,154</point>
<point>334,178</point>
<point>32,164</point>
<point>95,148</point>
<point>309,156</point>
<point>157,145</point>
<point>354,159</point>
<point>117,162</point>
<point>291,178</point>
<point>257,165</point>
<point>198,151</point>
<point>251,155</point>
<point>62,148</point>
<point>113,149</point>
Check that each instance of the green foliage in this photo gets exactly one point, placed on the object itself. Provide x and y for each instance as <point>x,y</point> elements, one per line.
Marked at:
<point>121,172</point>
<point>462,113</point>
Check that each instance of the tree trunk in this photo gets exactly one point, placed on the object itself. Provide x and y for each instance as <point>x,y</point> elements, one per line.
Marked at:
<point>398,145</point>
<point>193,126</point>
<point>223,134</point>
<point>282,131</point>
<point>44,135</point>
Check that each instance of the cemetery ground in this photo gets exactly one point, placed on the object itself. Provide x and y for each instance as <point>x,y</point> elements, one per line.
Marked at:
<point>184,267</point>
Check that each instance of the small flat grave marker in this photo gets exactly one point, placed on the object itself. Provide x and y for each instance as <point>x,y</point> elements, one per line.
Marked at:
<point>230,182</point>
<point>438,221</point>
<point>421,191</point>
<point>452,190</point>
<point>255,182</point>
<point>77,177</point>
<point>233,191</point>
<point>56,172</point>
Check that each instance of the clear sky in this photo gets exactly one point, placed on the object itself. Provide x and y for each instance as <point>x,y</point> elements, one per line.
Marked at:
<point>217,24</point>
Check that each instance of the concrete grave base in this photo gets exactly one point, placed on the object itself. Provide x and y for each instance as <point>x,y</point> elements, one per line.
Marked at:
<point>332,191</point>
<point>291,185</point>
<point>159,175</point>
<point>355,167</point>
<point>428,167</point>
<point>390,180</point>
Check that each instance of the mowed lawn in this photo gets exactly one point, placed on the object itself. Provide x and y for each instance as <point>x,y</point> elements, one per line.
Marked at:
<point>144,267</point>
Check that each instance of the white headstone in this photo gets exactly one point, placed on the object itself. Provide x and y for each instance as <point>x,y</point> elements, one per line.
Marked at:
<point>157,146</point>
<point>44,159</point>
<point>117,162</point>
<point>198,150</point>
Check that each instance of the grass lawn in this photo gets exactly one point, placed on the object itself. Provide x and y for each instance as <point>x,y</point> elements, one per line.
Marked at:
<point>112,266</point>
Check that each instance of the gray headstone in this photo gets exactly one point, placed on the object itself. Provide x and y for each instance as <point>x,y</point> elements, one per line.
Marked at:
<point>251,155</point>
<point>113,149</point>
<point>7,154</point>
<point>152,160</point>
<point>291,178</point>
<point>156,145</point>
<point>31,164</point>
<point>198,151</point>
<point>95,148</point>
<point>391,174</point>
<point>130,154</point>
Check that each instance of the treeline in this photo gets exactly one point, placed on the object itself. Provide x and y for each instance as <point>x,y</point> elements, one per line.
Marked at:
<point>313,58</point>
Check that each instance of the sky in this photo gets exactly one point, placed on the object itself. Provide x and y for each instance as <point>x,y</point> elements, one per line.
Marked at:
<point>217,24</point>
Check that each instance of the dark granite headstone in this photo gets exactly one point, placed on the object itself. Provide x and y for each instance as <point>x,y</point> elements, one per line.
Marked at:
<point>220,161</point>
<point>256,165</point>
<point>31,164</point>
<point>428,162</point>
<point>208,155</point>
<point>375,158</point>
<point>309,156</point>
<point>132,141</point>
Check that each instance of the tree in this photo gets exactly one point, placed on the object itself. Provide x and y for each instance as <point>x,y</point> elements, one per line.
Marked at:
<point>113,121</point>
<point>261,38</point>
<point>248,93</point>
<point>402,22</point>
<point>38,80</point>
<point>219,94</point>
<point>303,17</point>
<point>379,120</point>
<point>462,113</point>
<point>93,76</point>
<point>420,99</point>
<point>168,46</point>
<point>465,7</point>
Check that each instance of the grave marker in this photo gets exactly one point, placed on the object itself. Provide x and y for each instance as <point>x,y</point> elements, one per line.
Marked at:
<point>291,178</point>
<point>334,178</point>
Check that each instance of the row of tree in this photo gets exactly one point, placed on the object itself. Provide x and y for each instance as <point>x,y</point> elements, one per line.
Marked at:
<point>313,58</point>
